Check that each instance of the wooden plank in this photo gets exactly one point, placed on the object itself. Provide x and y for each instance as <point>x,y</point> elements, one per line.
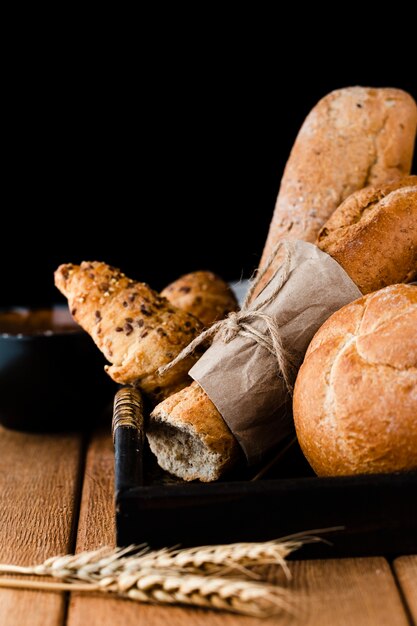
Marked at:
<point>39,485</point>
<point>96,521</point>
<point>96,528</point>
<point>357,592</point>
<point>406,570</point>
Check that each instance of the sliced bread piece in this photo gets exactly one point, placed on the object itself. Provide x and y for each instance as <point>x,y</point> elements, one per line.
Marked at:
<point>189,437</point>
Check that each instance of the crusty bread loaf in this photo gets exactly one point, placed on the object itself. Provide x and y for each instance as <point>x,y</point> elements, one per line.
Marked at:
<point>373,235</point>
<point>136,329</point>
<point>355,398</point>
<point>203,294</point>
<point>189,436</point>
<point>353,137</point>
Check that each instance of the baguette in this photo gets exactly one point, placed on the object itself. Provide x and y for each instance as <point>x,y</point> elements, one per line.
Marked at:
<point>135,328</point>
<point>373,235</point>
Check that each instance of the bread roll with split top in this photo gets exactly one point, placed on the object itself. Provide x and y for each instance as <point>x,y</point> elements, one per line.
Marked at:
<point>355,397</point>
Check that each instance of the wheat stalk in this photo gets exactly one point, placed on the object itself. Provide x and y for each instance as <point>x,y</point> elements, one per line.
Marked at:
<point>240,557</point>
<point>194,576</point>
<point>207,560</point>
<point>162,587</point>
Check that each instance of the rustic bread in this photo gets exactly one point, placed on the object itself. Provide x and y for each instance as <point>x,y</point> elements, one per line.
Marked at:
<point>203,294</point>
<point>136,329</point>
<point>352,138</point>
<point>373,235</point>
<point>355,398</point>
<point>189,436</point>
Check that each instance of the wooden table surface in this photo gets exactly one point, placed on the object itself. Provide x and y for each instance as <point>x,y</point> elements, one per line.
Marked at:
<point>56,496</point>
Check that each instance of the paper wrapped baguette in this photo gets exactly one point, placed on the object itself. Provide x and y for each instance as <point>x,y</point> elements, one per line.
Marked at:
<point>238,380</point>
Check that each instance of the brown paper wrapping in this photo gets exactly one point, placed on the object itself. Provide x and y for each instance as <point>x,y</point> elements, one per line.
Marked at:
<point>241,377</point>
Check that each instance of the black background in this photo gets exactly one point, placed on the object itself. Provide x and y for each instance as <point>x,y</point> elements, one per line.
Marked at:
<point>185,156</point>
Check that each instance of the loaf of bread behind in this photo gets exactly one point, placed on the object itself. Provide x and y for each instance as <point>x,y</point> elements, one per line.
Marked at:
<point>203,294</point>
<point>352,138</point>
<point>355,397</point>
<point>373,235</point>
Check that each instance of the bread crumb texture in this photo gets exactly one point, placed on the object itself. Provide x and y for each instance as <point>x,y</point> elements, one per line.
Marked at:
<point>189,437</point>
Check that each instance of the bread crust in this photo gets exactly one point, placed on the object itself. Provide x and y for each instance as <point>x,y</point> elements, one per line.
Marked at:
<point>136,329</point>
<point>192,411</point>
<point>203,294</point>
<point>373,235</point>
<point>355,398</point>
<point>352,138</point>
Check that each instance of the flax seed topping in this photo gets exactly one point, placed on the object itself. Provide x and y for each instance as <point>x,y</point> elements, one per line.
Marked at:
<point>128,328</point>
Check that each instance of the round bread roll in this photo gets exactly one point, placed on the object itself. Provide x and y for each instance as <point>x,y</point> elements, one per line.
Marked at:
<point>203,294</point>
<point>355,398</point>
<point>373,235</point>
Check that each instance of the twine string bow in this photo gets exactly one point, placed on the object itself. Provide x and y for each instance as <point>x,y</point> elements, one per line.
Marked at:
<point>241,322</point>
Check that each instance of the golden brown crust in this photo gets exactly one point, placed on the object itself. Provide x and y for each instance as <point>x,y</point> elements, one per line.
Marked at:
<point>193,407</point>
<point>203,294</point>
<point>352,138</point>
<point>192,411</point>
<point>373,235</point>
<point>136,329</point>
<point>355,398</point>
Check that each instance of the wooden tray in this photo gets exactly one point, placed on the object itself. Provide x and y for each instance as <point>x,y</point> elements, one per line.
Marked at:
<point>372,514</point>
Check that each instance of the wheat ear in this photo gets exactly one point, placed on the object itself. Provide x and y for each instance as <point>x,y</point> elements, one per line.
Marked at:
<point>162,587</point>
<point>205,560</point>
<point>195,576</point>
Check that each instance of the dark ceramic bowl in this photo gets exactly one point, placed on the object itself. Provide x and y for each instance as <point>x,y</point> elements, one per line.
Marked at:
<point>51,373</point>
